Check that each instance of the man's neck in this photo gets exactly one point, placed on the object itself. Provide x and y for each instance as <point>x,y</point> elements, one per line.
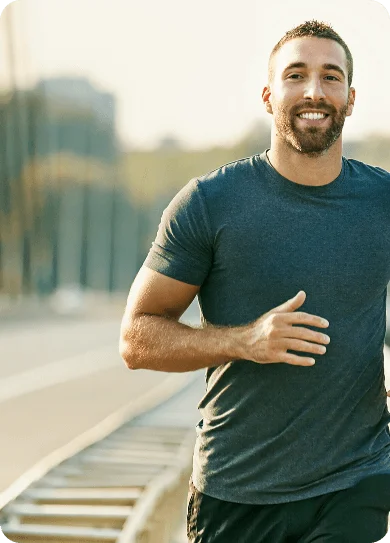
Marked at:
<point>305,170</point>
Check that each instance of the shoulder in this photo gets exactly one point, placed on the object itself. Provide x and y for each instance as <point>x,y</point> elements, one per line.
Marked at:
<point>236,167</point>
<point>228,175</point>
<point>358,167</point>
<point>205,191</point>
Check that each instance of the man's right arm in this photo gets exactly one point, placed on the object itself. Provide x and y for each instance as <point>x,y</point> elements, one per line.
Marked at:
<point>153,338</point>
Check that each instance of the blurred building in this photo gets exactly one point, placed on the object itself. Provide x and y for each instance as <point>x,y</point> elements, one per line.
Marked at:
<point>65,217</point>
<point>79,91</point>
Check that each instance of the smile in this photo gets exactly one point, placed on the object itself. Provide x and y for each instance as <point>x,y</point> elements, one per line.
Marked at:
<point>312,116</point>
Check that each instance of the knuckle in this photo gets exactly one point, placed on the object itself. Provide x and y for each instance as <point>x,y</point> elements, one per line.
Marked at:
<point>297,344</point>
<point>290,359</point>
<point>273,319</point>
<point>299,333</point>
<point>271,328</point>
<point>272,331</point>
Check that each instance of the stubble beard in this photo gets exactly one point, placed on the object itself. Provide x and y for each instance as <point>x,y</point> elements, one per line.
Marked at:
<point>312,141</point>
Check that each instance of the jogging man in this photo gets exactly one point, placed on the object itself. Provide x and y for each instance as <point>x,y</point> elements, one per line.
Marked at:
<point>289,254</point>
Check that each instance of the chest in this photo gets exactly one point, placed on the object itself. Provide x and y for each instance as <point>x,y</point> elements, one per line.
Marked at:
<point>331,247</point>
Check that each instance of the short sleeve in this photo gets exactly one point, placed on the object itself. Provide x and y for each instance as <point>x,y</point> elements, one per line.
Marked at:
<point>183,246</point>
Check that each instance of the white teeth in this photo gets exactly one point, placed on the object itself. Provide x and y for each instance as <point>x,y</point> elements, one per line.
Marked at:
<point>312,116</point>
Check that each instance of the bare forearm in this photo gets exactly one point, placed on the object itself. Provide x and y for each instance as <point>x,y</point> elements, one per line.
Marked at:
<point>158,343</point>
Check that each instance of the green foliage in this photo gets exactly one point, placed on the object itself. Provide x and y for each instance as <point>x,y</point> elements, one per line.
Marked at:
<point>373,150</point>
<point>161,172</point>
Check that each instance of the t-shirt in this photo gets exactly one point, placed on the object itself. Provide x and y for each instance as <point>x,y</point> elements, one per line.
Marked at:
<point>252,239</point>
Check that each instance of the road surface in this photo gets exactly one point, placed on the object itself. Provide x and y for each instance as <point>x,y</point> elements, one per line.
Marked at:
<point>59,377</point>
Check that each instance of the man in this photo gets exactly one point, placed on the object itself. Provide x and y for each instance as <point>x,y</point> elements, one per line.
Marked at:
<point>289,254</point>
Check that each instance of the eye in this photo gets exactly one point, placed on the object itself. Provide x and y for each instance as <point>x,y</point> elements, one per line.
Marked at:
<point>294,75</point>
<point>334,77</point>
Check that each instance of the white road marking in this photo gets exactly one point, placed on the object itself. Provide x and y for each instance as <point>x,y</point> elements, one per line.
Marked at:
<point>57,372</point>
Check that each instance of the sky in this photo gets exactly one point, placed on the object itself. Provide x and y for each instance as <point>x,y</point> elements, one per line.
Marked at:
<point>194,70</point>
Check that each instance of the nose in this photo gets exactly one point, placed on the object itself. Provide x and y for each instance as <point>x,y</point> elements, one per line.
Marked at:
<point>314,89</point>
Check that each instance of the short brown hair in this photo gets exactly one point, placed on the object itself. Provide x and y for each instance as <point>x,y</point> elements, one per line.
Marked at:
<point>312,29</point>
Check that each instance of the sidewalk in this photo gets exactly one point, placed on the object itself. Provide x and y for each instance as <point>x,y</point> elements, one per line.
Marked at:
<point>63,305</point>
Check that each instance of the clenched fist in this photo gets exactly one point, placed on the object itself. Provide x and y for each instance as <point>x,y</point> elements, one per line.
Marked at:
<point>268,339</point>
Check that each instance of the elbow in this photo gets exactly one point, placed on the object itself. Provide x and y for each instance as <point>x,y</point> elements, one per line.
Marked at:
<point>128,354</point>
<point>127,343</point>
<point>134,347</point>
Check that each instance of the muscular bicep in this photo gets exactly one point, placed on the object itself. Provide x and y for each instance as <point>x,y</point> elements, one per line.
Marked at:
<point>156,294</point>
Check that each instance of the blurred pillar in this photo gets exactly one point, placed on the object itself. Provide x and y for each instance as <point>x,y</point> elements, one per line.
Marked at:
<point>16,144</point>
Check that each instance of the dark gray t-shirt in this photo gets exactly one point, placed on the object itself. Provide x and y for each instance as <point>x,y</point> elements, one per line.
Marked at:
<point>273,433</point>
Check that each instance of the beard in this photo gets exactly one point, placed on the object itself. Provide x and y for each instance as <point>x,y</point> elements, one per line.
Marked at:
<point>312,141</point>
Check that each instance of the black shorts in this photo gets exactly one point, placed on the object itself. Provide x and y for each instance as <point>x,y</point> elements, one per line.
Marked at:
<point>356,515</point>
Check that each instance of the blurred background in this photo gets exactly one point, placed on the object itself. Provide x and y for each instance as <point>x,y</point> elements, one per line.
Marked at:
<point>106,110</point>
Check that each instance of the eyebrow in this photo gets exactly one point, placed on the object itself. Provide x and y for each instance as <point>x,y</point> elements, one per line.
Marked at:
<point>327,66</point>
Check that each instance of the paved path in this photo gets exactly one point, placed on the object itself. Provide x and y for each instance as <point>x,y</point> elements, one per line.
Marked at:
<point>59,378</point>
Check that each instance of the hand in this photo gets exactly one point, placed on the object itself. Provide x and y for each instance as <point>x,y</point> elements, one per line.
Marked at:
<point>273,334</point>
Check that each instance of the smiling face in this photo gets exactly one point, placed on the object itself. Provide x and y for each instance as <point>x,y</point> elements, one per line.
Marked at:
<point>310,76</point>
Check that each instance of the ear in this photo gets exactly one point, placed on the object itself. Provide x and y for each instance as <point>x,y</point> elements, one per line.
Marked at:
<point>266,95</point>
<point>351,101</point>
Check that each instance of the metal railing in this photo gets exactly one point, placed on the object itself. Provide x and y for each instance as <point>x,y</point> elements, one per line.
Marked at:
<point>127,486</point>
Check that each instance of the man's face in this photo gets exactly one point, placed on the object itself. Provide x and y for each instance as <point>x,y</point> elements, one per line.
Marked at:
<point>309,87</point>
